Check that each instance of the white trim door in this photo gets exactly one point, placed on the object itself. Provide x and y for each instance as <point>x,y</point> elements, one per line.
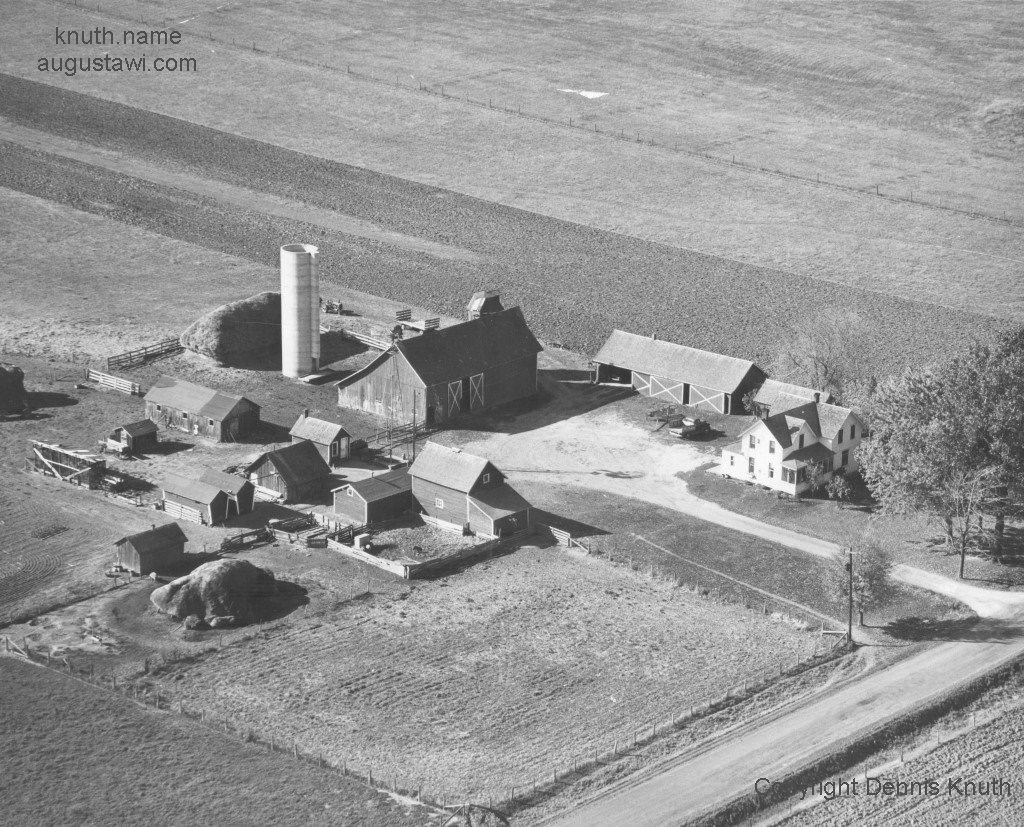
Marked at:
<point>454,397</point>
<point>476,391</point>
<point>666,389</point>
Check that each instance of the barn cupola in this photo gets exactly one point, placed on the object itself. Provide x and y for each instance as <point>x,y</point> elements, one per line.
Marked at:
<point>482,303</point>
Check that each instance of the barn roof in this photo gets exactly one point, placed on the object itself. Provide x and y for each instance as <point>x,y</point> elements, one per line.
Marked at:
<point>316,430</point>
<point>449,467</point>
<point>673,361</point>
<point>200,492</point>
<point>157,539</point>
<point>780,396</point>
<point>230,483</point>
<point>185,396</point>
<point>382,486</point>
<point>140,428</point>
<point>297,463</point>
<point>471,347</point>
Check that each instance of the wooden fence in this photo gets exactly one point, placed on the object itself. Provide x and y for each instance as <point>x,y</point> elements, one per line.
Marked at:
<point>183,512</point>
<point>370,341</point>
<point>244,539</point>
<point>392,566</point>
<point>131,358</point>
<point>115,382</point>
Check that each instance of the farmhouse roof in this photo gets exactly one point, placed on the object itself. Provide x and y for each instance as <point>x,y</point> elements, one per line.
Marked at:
<point>185,396</point>
<point>382,486</point>
<point>316,430</point>
<point>297,463</point>
<point>194,490</point>
<point>499,502</point>
<point>815,452</point>
<point>780,396</point>
<point>230,483</point>
<point>471,347</point>
<point>673,361</point>
<point>449,467</point>
<point>140,428</point>
<point>157,539</point>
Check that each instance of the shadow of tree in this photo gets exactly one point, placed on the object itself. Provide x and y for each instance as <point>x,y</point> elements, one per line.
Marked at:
<point>957,629</point>
<point>50,399</point>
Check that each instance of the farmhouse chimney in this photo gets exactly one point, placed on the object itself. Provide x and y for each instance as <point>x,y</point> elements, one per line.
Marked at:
<point>300,310</point>
<point>817,397</point>
<point>305,413</point>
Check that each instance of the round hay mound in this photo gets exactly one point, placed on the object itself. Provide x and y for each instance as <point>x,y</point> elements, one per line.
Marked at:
<point>239,333</point>
<point>221,593</point>
<point>13,398</point>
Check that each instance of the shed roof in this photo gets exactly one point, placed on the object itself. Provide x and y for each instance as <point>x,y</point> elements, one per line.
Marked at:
<point>297,463</point>
<point>140,428</point>
<point>320,431</point>
<point>470,347</point>
<point>200,492</point>
<point>382,486</point>
<point>779,396</point>
<point>673,361</point>
<point>185,396</point>
<point>230,483</point>
<point>815,452</point>
<point>157,539</point>
<point>449,467</point>
<point>499,502</point>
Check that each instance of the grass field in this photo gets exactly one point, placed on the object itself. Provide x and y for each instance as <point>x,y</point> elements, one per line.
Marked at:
<point>74,754</point>
<point>492,677</point>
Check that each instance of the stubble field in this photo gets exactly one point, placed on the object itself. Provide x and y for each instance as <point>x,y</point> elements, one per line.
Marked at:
<point>493,677</point>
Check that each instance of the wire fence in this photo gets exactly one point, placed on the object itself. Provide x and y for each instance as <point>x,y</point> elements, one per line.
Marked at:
<point>394,79</point>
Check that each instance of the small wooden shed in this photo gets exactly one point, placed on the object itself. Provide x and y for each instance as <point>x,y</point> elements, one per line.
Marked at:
<point>160,549</point>
<point>135,437</point>
<point>224,417</point>
<point>330,438</point>
<point>296,473</point>
<point>375,499</point>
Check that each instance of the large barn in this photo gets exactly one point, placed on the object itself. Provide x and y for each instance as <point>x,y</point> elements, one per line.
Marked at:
<point>206,412</point>
<point>461,490</point>
<point>676,373</point>
<point>471,366</point>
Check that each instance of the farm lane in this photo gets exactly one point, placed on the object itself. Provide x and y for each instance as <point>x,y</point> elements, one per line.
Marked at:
<point>689,784</point>
<point>226,193</point>
<point>989,603</point>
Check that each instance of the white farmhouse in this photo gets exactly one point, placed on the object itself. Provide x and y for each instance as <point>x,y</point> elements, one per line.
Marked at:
<point>776,451</point>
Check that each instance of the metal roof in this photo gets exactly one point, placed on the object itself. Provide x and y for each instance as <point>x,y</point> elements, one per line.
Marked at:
<point>156,539</point>
<point>780,396</point>
<point>185,396</point>
<point>229,483</point>
<point>470,347</point>
<point>449,467</point>
<point>382,486</point>
<point>297,463</point>
<point>316,430</point>
<point>194,490</point>
<point>673,361</point>
<point>140,428</point>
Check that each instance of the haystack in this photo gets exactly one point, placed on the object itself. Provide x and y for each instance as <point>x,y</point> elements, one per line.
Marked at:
<point>221,593</point>
<point>13,398</point>
<point>238,333</point>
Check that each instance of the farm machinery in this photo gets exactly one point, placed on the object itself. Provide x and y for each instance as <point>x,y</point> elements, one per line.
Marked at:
<point>679,423</point>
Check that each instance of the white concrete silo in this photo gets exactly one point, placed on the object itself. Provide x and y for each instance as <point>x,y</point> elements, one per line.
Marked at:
<point>300,310</point>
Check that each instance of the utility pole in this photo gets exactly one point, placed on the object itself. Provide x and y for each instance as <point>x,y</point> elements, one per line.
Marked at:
<point>849,568</point>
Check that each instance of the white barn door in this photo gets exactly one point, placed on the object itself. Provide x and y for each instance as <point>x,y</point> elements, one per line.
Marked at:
<point>454,397</point>
<point>476,391</point>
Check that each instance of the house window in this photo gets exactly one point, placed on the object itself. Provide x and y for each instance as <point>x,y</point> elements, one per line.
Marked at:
<point>771,470</point>
<point>334,449</point>
<point>801,440</point>
<point>184,414</point>
<point>350,492</point>
<point>753,442</point>
<point>771,446</point>
<point>801,475</point>
<point>853,431</point>
<point>840,436</point>
<point>750,465</point>
<point>732,459</point>
<point>159,407</point>
<point>438,502</point>
<point>209,422</point>
<point>846,457</point>
<point>487,478</point>
<point>787,475</point>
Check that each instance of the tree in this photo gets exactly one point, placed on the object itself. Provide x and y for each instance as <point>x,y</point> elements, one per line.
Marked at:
<point>948,441</point>
<point>872,584</point>
<point>826,352</point>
